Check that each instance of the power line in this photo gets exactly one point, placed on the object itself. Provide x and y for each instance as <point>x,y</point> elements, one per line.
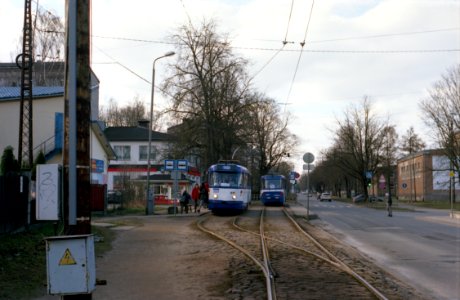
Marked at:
<point>134,40</point>
<point>292,50</point>
<point>269,61</point>
<point>308,23</point>
<point>123,66</point>
<point>354,51</point>
<point>129,70</point>
<point>289,21</point>
<point>371,36</point>
<point>302,44</point>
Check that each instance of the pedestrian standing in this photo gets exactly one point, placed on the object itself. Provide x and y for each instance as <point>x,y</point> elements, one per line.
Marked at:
<point>204,196</point>
<point>389,203</point>
<point>184,201</point>
<point>195,195</point>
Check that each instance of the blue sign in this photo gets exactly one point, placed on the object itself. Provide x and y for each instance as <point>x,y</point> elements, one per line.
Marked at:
<point>97,165</point>
<point>182,165</point>
<point>176,165</point>
<point>169,164</point>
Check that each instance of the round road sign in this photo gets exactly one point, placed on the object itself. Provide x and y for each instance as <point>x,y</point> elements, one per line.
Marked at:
<point>308,158</point>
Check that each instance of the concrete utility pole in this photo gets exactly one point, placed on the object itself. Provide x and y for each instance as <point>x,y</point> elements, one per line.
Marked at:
<point>77,204</point>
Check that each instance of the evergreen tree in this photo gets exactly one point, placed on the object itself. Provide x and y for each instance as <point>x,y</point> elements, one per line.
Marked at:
<point>8,162</point>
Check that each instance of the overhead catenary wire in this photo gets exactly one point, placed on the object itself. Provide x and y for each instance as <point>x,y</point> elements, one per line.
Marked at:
<point>302,44</point>
<point>269,61</point>
<point>282,47</point>
<point>289,21</point>
<point>376,36</point>
<point>298,50</point>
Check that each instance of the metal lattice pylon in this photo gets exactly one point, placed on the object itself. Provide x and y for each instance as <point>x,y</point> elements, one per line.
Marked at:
<point>24,62</point>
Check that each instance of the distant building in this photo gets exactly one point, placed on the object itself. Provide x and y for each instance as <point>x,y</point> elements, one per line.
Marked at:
<point>425,175</point>
<point>129,170</point>
<point>43,74</point>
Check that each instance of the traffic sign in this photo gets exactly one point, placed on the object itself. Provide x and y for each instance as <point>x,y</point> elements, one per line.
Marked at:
<point>182,165</point>
<point>308,158</point>
<point>169,164</point>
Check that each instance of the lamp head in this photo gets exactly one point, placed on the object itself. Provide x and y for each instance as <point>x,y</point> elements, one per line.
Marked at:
<point>170,53</point>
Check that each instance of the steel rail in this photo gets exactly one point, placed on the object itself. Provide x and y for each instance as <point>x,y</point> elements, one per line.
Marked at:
<point>330,258</point>
<point>266,258</point>
<point>261,265</point>
<point>344,266</point>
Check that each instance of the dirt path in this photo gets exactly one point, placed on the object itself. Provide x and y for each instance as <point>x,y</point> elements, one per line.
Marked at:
<point>166,258</point>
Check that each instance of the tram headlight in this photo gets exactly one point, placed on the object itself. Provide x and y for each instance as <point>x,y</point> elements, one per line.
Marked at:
<point>233,196</point>
<point>215,196</point>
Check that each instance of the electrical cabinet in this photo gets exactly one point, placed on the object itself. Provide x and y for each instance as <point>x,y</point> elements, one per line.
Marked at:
<point>71,266</point>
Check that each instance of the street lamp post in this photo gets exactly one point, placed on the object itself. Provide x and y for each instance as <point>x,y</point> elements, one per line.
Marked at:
<point>150,205</point>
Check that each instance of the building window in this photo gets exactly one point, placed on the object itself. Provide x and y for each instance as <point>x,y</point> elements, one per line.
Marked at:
<point>143,151</point>
<point>123,152</point>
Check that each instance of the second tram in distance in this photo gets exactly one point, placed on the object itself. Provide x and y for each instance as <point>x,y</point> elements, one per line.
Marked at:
<point>229,187</point>
<point>273,189</point>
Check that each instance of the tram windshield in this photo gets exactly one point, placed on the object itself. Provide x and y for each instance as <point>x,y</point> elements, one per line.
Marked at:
<point>225,179</point>
<point>272,184</point>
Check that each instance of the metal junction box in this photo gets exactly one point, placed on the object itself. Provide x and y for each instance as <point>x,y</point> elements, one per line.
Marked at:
<point>71,266</point>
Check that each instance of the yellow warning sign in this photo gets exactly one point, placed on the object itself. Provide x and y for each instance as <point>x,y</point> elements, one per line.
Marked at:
<point>67,258</point>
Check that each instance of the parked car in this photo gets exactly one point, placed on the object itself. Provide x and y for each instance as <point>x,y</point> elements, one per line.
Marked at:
<point>359,198</point>
<point>325,197</point>
<point>375,198</point>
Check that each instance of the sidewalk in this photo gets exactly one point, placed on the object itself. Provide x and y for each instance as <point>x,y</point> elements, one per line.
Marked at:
<point>441,215</point>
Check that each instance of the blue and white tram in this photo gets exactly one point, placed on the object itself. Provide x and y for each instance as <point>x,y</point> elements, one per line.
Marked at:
<point>229,187</point>
<point>273,189</point>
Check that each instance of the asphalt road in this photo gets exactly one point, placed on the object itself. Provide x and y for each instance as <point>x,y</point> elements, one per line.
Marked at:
<point>421,246</point>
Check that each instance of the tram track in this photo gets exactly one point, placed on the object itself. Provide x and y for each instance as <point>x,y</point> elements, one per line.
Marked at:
<point>294,264</point>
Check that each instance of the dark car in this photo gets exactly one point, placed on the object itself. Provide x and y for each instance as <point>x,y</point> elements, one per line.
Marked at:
<point>375,198</point>
<point>359,198</point>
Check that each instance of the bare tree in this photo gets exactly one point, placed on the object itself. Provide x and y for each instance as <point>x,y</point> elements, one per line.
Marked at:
<point>411,142</point>
<point>49,36</point>
<point>442,113</point>
<point>128,115</point>
<point>48,48</point>
<point>359,142</point>
<point>267,132</point>
<point>209,85</point>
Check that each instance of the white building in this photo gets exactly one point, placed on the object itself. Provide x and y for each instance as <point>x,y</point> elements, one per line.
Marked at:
<point>129,170</point>
<point>48,127</point>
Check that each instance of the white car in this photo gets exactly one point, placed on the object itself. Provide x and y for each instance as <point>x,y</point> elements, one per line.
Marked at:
<point>325,197</point>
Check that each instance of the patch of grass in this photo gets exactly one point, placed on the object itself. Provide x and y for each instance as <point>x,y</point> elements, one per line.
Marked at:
<point>23,263</point>
<point>433,204</point>
<point>23,259</point>
<point>103,239</point>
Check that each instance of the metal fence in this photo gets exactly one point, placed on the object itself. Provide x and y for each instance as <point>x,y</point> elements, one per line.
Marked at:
<point>13,202</point>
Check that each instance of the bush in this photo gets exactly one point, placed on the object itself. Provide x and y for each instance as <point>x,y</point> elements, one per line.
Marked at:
<point>8,162</point>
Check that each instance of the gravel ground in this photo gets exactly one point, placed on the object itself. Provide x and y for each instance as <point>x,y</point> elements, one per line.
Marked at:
<point>167,257</point>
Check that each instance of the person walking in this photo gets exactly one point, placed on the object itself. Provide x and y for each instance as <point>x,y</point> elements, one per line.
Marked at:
<point>195,196</point>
